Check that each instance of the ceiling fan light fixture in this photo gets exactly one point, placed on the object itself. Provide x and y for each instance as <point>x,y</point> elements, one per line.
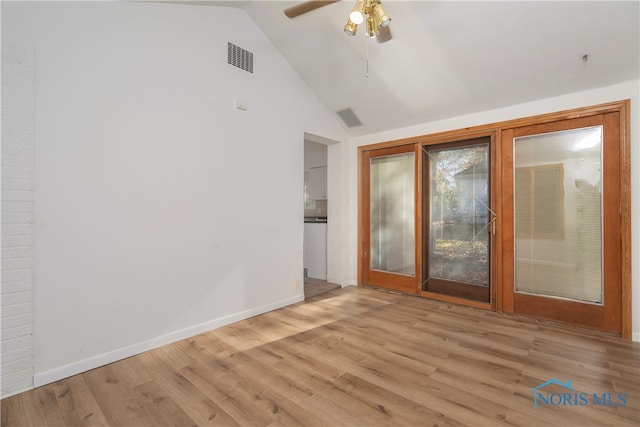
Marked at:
<point>357,14</point>
<point>373,14</point>
<point>381,14</point>
<point>351,28</point>
<point>372,26</point>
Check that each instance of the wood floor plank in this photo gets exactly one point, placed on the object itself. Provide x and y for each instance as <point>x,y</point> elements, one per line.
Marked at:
<point>115,397</point>
<point>352,357</point>
<point>132,371</point>
<point>236,396</point>
<point>159,408</point>
<point>455,404</point>
<point>320,393</point>
<point>33,408</point>
<point>77,404</point>
<point>315,287</point>
<point>201,409</point>
<point>46,397</point>
<point>392,407</point>
<point>291,398</point>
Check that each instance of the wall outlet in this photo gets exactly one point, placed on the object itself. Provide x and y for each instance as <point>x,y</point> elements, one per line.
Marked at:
<point>296,284</point>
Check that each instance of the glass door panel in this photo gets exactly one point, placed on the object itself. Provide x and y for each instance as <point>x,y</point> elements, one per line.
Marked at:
<point>392,207</point>
<point>561,221</point>
<point>558,214</point>
<point>387,243</point>
<point>457,220</point>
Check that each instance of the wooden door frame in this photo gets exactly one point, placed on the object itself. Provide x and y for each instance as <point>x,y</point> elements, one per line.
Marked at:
<point>454,138</point>
<point>497,129</point>
<point>607,316</point>
<point>398,282</point>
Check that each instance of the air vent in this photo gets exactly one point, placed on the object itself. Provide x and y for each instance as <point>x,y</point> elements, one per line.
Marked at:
<point>349,118</point>
<point>239,57</point>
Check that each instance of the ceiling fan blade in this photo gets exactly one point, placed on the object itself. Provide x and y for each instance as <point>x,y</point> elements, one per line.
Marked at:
<point>384,34</point>
<point>305,7</point>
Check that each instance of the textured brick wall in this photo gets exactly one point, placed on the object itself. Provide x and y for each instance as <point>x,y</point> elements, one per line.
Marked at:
<point>17,219</point>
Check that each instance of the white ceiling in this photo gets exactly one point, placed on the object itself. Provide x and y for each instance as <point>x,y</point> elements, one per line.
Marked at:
<point>449,58</point>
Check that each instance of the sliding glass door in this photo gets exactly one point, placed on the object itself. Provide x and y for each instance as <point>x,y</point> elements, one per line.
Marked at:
<point>389,199</point>
<point>530,216</point>
<point>457,219</point>
<point>562,257</point>
<point>558,214</point>
<point>392,213</point>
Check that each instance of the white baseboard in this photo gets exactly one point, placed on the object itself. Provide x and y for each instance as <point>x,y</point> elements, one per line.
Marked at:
<point>350,283</point>
<point>635,336</point>
<point>52,375</point>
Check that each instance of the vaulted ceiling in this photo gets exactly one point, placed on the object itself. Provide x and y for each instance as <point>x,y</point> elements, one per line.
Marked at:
<point>449,58</point>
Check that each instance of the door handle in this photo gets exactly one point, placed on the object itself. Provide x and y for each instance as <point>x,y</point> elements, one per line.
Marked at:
<point>492,223</point>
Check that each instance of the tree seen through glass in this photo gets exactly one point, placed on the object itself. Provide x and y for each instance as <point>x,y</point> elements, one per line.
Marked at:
<point>459,215</point>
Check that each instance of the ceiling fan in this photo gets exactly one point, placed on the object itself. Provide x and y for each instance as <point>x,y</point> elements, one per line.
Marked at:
<point>369,11</point>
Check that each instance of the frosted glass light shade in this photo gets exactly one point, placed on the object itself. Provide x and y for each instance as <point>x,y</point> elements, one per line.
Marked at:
<point>357,14</point>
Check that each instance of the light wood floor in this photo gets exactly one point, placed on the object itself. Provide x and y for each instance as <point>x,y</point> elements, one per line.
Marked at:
<point>314,287</point>
<point>353,357</point>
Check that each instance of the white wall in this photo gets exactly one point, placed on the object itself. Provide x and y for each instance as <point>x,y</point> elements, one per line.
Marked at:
<point>17,217</point>
<point>628,90</point>
<point>337,254</point>
<point>151,188</point>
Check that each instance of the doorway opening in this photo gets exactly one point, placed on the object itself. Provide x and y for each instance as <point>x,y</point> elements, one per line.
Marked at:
<point>457,219</point>
<point>316,216</point>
